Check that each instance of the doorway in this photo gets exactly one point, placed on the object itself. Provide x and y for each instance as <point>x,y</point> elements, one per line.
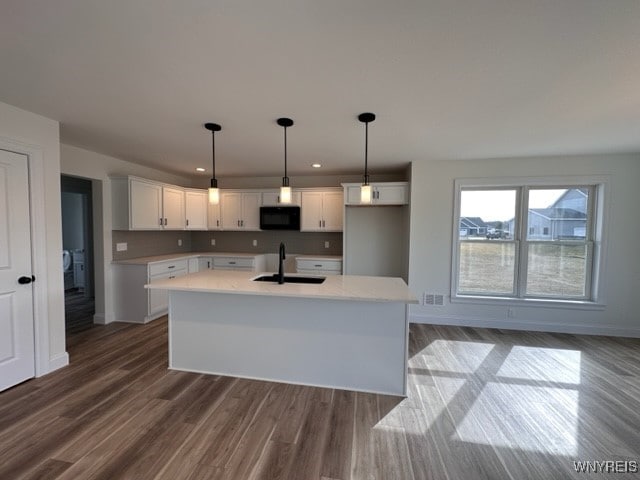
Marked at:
<point>77,253</point>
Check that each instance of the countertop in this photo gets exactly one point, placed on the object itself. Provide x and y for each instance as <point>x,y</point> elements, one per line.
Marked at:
<point>179,256</point>
<point>335,287</point>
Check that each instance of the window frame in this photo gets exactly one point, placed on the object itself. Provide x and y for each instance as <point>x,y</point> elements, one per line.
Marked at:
<point>594,240</point>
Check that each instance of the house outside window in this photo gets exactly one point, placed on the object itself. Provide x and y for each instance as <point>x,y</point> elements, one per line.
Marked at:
<point>538,241</point>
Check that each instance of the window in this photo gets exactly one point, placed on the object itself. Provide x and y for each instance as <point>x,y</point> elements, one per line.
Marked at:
<point>525,241</point>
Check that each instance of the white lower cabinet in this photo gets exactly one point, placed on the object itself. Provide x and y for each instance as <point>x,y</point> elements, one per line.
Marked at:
<point>134,303</point>
<point>255,263</point>
<point>205,263</point>
<point>318,266</point>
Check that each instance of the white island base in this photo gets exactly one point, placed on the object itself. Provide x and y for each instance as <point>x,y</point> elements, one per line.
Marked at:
<point>345,344</point>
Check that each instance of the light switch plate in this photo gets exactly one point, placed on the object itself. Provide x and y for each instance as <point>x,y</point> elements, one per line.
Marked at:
<point>213,242</point>
<point>326,244</point>
<point>121,247</point>
<point>255,243</point>
<point>179,242</point>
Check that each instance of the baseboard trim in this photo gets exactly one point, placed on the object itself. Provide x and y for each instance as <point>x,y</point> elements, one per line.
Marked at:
<point>579,329</point>
<point>99,319</point>
<point>59,361</point>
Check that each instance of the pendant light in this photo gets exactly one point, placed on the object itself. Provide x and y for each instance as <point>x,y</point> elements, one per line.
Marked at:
<point>365,189</point>
<point>214,192</point>
<point>285,189</point>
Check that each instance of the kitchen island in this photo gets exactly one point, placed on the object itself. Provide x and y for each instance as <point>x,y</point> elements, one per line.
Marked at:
<point>350,332</point>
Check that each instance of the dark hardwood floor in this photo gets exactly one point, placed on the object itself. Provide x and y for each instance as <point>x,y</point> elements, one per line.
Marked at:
<point>482,404</point>
<point>78,311</point>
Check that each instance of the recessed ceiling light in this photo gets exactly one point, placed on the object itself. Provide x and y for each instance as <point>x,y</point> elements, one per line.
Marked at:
<point>316,165</point>
<point>200,169</point>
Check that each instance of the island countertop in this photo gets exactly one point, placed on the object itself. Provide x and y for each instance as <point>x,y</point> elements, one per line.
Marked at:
<point>335,287</point>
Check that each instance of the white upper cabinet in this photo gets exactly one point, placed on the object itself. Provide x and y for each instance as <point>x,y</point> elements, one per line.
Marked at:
<point>322,211</point>
<point>145,205</point>
<point>214,217</point>
<point>196,202</point>
<point>173,208</point>
<point>140,204</point>
<point>384,193</point>
<point>272,199</point>
<point>241,210</point>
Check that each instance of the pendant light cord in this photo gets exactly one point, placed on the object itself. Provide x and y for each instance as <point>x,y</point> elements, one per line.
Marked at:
<point>285,152</point>
<point>213,152</point>
<point>366,152</point>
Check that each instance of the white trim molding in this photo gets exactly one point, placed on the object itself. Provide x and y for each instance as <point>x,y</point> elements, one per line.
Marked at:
<point>43,363</point>
<point>528,325</point>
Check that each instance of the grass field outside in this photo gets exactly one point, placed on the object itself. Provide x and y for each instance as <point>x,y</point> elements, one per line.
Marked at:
<point>553,269</point>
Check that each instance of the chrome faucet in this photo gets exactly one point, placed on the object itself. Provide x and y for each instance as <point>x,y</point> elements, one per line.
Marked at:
<point>281,264</point>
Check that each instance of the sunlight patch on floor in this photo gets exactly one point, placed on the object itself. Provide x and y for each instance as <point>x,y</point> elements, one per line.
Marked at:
<point>523,417</point>
<point>542,364</point>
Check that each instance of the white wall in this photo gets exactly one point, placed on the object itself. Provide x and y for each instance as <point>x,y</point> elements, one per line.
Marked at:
<point>432,200</point>
<point>38,136</point>
<point>97,167</point>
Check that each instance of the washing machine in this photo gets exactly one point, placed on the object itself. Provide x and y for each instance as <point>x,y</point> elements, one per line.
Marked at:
<point>67,268</point>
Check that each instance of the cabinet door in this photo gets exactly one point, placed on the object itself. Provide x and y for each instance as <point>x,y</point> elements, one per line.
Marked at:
<point>332,211</point>
<point>78,275</point>
<point>158,299</point>
<point>272,199</point>
<point>311,212</point>
<point>196,209</point>
<point>205,263</point>
<point>231,210</point>
<point>391,195</point>
<point>145,205</point>
<point>173,208</point>
<point>352,193</point>
<point>193,265</point>
<point>214,219</point>
<point>251,211</point>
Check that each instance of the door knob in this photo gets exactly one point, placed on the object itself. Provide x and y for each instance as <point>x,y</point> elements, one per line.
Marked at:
<point>25,280</point>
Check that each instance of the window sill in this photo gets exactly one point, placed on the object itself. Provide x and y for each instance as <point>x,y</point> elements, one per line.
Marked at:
<point>528,302</point>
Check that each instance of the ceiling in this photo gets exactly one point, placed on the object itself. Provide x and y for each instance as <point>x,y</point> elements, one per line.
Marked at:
<point>448,79</point>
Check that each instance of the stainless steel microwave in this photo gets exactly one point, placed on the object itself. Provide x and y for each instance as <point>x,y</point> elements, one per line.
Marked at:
<point>280,218</point>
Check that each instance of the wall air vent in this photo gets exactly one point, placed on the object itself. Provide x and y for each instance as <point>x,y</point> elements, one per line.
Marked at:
<point>432,299</point>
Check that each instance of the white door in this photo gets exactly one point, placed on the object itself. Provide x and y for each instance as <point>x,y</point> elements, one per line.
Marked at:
<point>251,211</point>
<point>213,215</point>
<point>196,209</point>
<point>17,360</point>
<point>332,211</point>
<point>173,208</point>
<point>146,205</point>
<point>231,210</point>
<point>311,212</point>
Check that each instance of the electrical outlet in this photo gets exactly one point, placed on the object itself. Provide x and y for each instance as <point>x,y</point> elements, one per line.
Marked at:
<point>255,243</point>
<point>213,242</point>
<point>179,242</point>
<point>326,244</point>
<point>121,247</point>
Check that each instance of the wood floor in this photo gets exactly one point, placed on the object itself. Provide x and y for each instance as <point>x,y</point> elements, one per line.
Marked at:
<point>482,404</point>
<point>78,311</point>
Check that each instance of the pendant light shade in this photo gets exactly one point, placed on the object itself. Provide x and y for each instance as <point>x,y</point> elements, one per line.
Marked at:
<point>214,192</point>
<point>285,189</point>
<point>365,189</point>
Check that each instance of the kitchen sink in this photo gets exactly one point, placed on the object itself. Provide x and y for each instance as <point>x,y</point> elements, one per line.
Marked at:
<point>289,279</point>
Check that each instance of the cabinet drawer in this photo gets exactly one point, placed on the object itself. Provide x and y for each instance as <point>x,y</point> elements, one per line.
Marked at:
<point>233,262</point>
<point>165,267</point>
<point>319,265</point>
